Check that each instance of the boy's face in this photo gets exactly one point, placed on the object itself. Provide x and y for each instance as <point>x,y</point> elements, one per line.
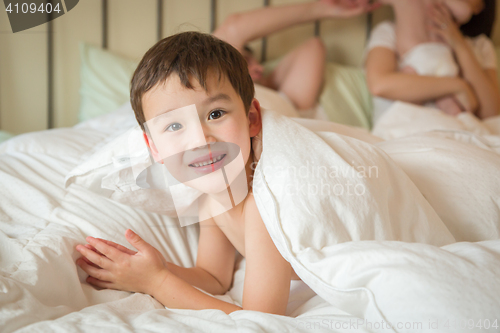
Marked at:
<point>196,132</point>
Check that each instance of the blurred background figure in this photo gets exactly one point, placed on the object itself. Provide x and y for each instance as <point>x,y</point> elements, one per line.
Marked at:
<point>299,75</point>
<point>456,70</point>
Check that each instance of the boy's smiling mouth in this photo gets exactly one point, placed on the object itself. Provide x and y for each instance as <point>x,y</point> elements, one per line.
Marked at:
<point>208,163</point>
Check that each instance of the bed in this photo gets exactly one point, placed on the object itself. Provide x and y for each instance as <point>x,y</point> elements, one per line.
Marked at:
<point>52,197</point>
<point>46,211</point>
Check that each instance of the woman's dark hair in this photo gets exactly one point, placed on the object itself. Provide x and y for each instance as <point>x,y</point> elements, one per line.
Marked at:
<point>481,23</point>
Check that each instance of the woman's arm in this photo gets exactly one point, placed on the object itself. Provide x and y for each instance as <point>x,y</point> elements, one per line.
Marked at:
<point>240,28</point>
<point>483,82</point>
<point>385,81</point>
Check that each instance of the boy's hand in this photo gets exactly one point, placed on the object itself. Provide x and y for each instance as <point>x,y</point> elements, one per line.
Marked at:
<point>113,266</point>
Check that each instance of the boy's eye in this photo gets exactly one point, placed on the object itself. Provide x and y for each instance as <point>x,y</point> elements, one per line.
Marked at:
<point>216,114</point>
<point>173,127</point>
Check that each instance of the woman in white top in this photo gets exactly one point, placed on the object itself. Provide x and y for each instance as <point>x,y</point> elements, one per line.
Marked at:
<point>476,58</point>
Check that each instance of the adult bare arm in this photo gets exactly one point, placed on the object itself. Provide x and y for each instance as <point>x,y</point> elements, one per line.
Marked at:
<point>484,82</point>
<point>385,81</point>
<point>240,28</point>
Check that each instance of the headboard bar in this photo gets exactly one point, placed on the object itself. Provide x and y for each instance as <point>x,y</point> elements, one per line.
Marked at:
<point>213,15</point>
<point>159,18</point>
<point>50,72</point>
<point>104,24</point>
<point>263,50</point>
<point>369,24</point>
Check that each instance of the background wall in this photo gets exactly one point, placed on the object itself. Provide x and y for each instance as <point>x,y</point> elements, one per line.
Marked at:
<point>132,29</point>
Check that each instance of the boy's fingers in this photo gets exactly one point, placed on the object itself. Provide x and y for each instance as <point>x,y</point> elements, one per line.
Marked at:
<point>90,247</point>
<point>94,257</point>
<point>137,241</point>
<point>109,251</point>
<point>89,262</point>
<point>118,246</point>
<point>101,284</point>
<point>97,273</point>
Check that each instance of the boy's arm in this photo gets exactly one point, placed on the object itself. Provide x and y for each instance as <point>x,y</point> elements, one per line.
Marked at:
<point>143,271</point>
<point>114,266</point>
<point>267,281</point>
<point>176,293</point>
<point>267,273</point>
<point>214,263</point>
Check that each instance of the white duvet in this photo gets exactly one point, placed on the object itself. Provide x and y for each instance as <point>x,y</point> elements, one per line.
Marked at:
<point>386,263</point>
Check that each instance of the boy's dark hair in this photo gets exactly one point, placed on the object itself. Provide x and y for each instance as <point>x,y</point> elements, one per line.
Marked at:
<point>190,55</point>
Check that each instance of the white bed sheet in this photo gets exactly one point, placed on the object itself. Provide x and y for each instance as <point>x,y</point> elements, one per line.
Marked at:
<point>41,222</point>
<point>41,288</point>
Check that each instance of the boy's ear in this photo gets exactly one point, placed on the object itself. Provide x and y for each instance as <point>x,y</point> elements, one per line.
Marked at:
<point>152,148</point>
<point>254,118</point>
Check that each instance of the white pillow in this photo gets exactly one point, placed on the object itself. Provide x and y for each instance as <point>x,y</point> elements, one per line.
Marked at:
<point>457,172</point>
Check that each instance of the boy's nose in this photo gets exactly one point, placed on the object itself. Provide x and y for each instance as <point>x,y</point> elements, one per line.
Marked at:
<point>210,139</point>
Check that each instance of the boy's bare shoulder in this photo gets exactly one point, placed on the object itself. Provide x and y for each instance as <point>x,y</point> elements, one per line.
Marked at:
<point>208,222</point>
<point>250,208</point>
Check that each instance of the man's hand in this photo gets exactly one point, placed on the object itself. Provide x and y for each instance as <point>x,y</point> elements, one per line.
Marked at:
<point>348,8</point>
<point>113,266</point>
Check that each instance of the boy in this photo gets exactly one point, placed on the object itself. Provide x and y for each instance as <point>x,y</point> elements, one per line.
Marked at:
<point>182,70</point>
<point>421,52</point>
